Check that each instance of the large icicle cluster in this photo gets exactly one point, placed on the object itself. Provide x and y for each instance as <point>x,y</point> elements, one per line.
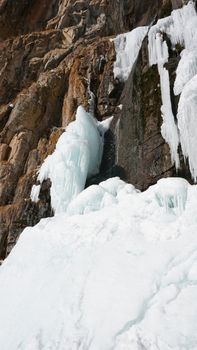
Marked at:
<point>181,28</point>
<point>77,155</point>
<point>127,48</point>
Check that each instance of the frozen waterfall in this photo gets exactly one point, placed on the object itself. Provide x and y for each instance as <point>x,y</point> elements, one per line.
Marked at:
<point>77,156</point>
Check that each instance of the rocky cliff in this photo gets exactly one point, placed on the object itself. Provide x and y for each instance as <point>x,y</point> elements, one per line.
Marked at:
<point>53,53</point>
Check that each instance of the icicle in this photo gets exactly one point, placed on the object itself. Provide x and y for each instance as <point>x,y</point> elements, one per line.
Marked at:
<point>158,53</point>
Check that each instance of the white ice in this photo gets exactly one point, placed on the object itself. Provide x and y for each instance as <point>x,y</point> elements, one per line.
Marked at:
<point>121,277</point>
<point>77,156</point>
<point>127,48</point>
<point>35,193</point>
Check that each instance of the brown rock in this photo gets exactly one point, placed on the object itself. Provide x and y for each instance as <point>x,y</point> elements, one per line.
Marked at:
<point>4,151</point>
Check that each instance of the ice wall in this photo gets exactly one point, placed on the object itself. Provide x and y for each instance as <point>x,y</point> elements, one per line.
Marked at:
<point>180,28</point>
<point>77,155</point>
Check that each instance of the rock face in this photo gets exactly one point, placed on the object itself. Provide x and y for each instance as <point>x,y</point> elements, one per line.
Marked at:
<point>52,54</point>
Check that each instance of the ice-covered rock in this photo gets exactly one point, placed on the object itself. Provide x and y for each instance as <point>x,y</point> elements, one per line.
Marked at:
<point>127,48</point>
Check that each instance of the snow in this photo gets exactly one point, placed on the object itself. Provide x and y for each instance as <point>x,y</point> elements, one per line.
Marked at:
<point>118,276</point>
<point>77,156</point>
<point>127,48</point>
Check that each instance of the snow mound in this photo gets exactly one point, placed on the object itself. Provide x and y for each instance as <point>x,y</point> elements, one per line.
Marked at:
<point>121,277</point>
<point>99,196</point>
<point>77,156</point>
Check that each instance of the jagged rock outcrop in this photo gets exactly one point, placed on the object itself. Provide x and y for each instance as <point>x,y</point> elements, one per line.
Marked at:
<point>52,53</point>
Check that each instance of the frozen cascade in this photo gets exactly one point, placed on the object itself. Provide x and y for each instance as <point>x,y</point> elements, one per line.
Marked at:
<point>77,155</point>
<point>181,28</point>
<point>127,48</point>
<point>120,275</point>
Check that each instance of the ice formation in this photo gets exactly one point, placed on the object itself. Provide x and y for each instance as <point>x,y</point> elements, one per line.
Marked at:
<point>187,123</point>
<point>169,129</point>
<point>77,155</point>
<point>158,54</point>
<point>127,48</point>
<point>35,193</point>
<point>181,28</point>
<point>116,277</point>
<point>171,194</point>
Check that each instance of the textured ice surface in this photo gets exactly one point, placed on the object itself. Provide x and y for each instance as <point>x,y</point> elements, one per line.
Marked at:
<point>127,48</point>
<point>77,155</point>
<point>121,277</point>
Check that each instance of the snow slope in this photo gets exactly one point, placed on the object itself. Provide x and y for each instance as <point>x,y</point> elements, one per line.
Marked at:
<point>118,271</point>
